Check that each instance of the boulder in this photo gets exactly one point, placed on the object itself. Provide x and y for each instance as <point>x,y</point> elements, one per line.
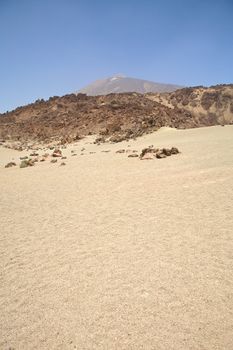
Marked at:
<point>121,151</point>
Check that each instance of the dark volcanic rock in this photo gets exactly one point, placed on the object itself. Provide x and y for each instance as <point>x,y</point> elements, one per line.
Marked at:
<point>10,165</point>
<point>115,116</point>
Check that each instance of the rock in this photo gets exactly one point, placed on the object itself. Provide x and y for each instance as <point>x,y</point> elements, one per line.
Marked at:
<point>63,157</point>
<point>98,140</point>
<point>121,151</point>
<point>43,159</point>
<point>27,163</point>
<point>34,154</point>
<point>147,156</point>
<point>53,161</point>
<point>133,155</point>
<point>31,162</point>
<point>174,150</point>
<point>62,164</point>
<point>117,138</point>
<point>104,132</point>
<point>74,154</point>
<point>66,139</point>
<point>23,158</point>
<point>57,153</point>
<point>149,149</point>
<point>160,155</point>
<point>166,151</point>
<point>9,165</point>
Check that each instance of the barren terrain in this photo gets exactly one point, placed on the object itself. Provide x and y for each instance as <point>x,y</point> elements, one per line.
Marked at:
<point>112,252</point>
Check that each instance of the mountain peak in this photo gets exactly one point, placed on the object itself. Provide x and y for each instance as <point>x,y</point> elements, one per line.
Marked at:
<point>119,83</point>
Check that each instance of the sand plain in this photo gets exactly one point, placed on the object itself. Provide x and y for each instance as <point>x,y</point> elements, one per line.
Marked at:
<point>110,252</point>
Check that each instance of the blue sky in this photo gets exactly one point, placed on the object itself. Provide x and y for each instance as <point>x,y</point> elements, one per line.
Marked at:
<point>54,47</point>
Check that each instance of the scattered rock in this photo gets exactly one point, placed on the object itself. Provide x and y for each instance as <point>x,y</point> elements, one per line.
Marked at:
<point>150,152</point>
<point>53,161</point>
<point>34,154</point>
<point>27,163</point>
<point>166,151</point>
<point>121,151</point>
<point>133,155</point>
<point>98,140</point>
<point>9,165</point>
<point>23,158</point>
<point>149,149</point>
<point>57,153</point>
<point>63,157</point>
<point>117,138</point>
<point>174,150</point>
<point>62,164</point>
<point>147,156</point>
<point>160,155</point>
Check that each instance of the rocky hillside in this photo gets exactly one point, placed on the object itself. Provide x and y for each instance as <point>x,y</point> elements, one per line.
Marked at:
<point>120,84</point>
<point>214,103</point>
<point>117,116</point>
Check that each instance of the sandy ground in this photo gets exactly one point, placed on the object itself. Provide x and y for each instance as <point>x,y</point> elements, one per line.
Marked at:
<point>110,252</point>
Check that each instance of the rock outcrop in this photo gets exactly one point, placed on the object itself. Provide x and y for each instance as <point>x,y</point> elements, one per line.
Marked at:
<point>116,117</point>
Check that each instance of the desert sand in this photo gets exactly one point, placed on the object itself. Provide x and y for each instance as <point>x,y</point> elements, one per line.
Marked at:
<point>110,252</point>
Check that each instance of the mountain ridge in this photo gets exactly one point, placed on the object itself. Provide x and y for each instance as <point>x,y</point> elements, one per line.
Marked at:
<point>117,116</point>
<point>121,84</point>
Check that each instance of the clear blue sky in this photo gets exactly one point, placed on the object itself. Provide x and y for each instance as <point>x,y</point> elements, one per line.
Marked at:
<point>54,47</point>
